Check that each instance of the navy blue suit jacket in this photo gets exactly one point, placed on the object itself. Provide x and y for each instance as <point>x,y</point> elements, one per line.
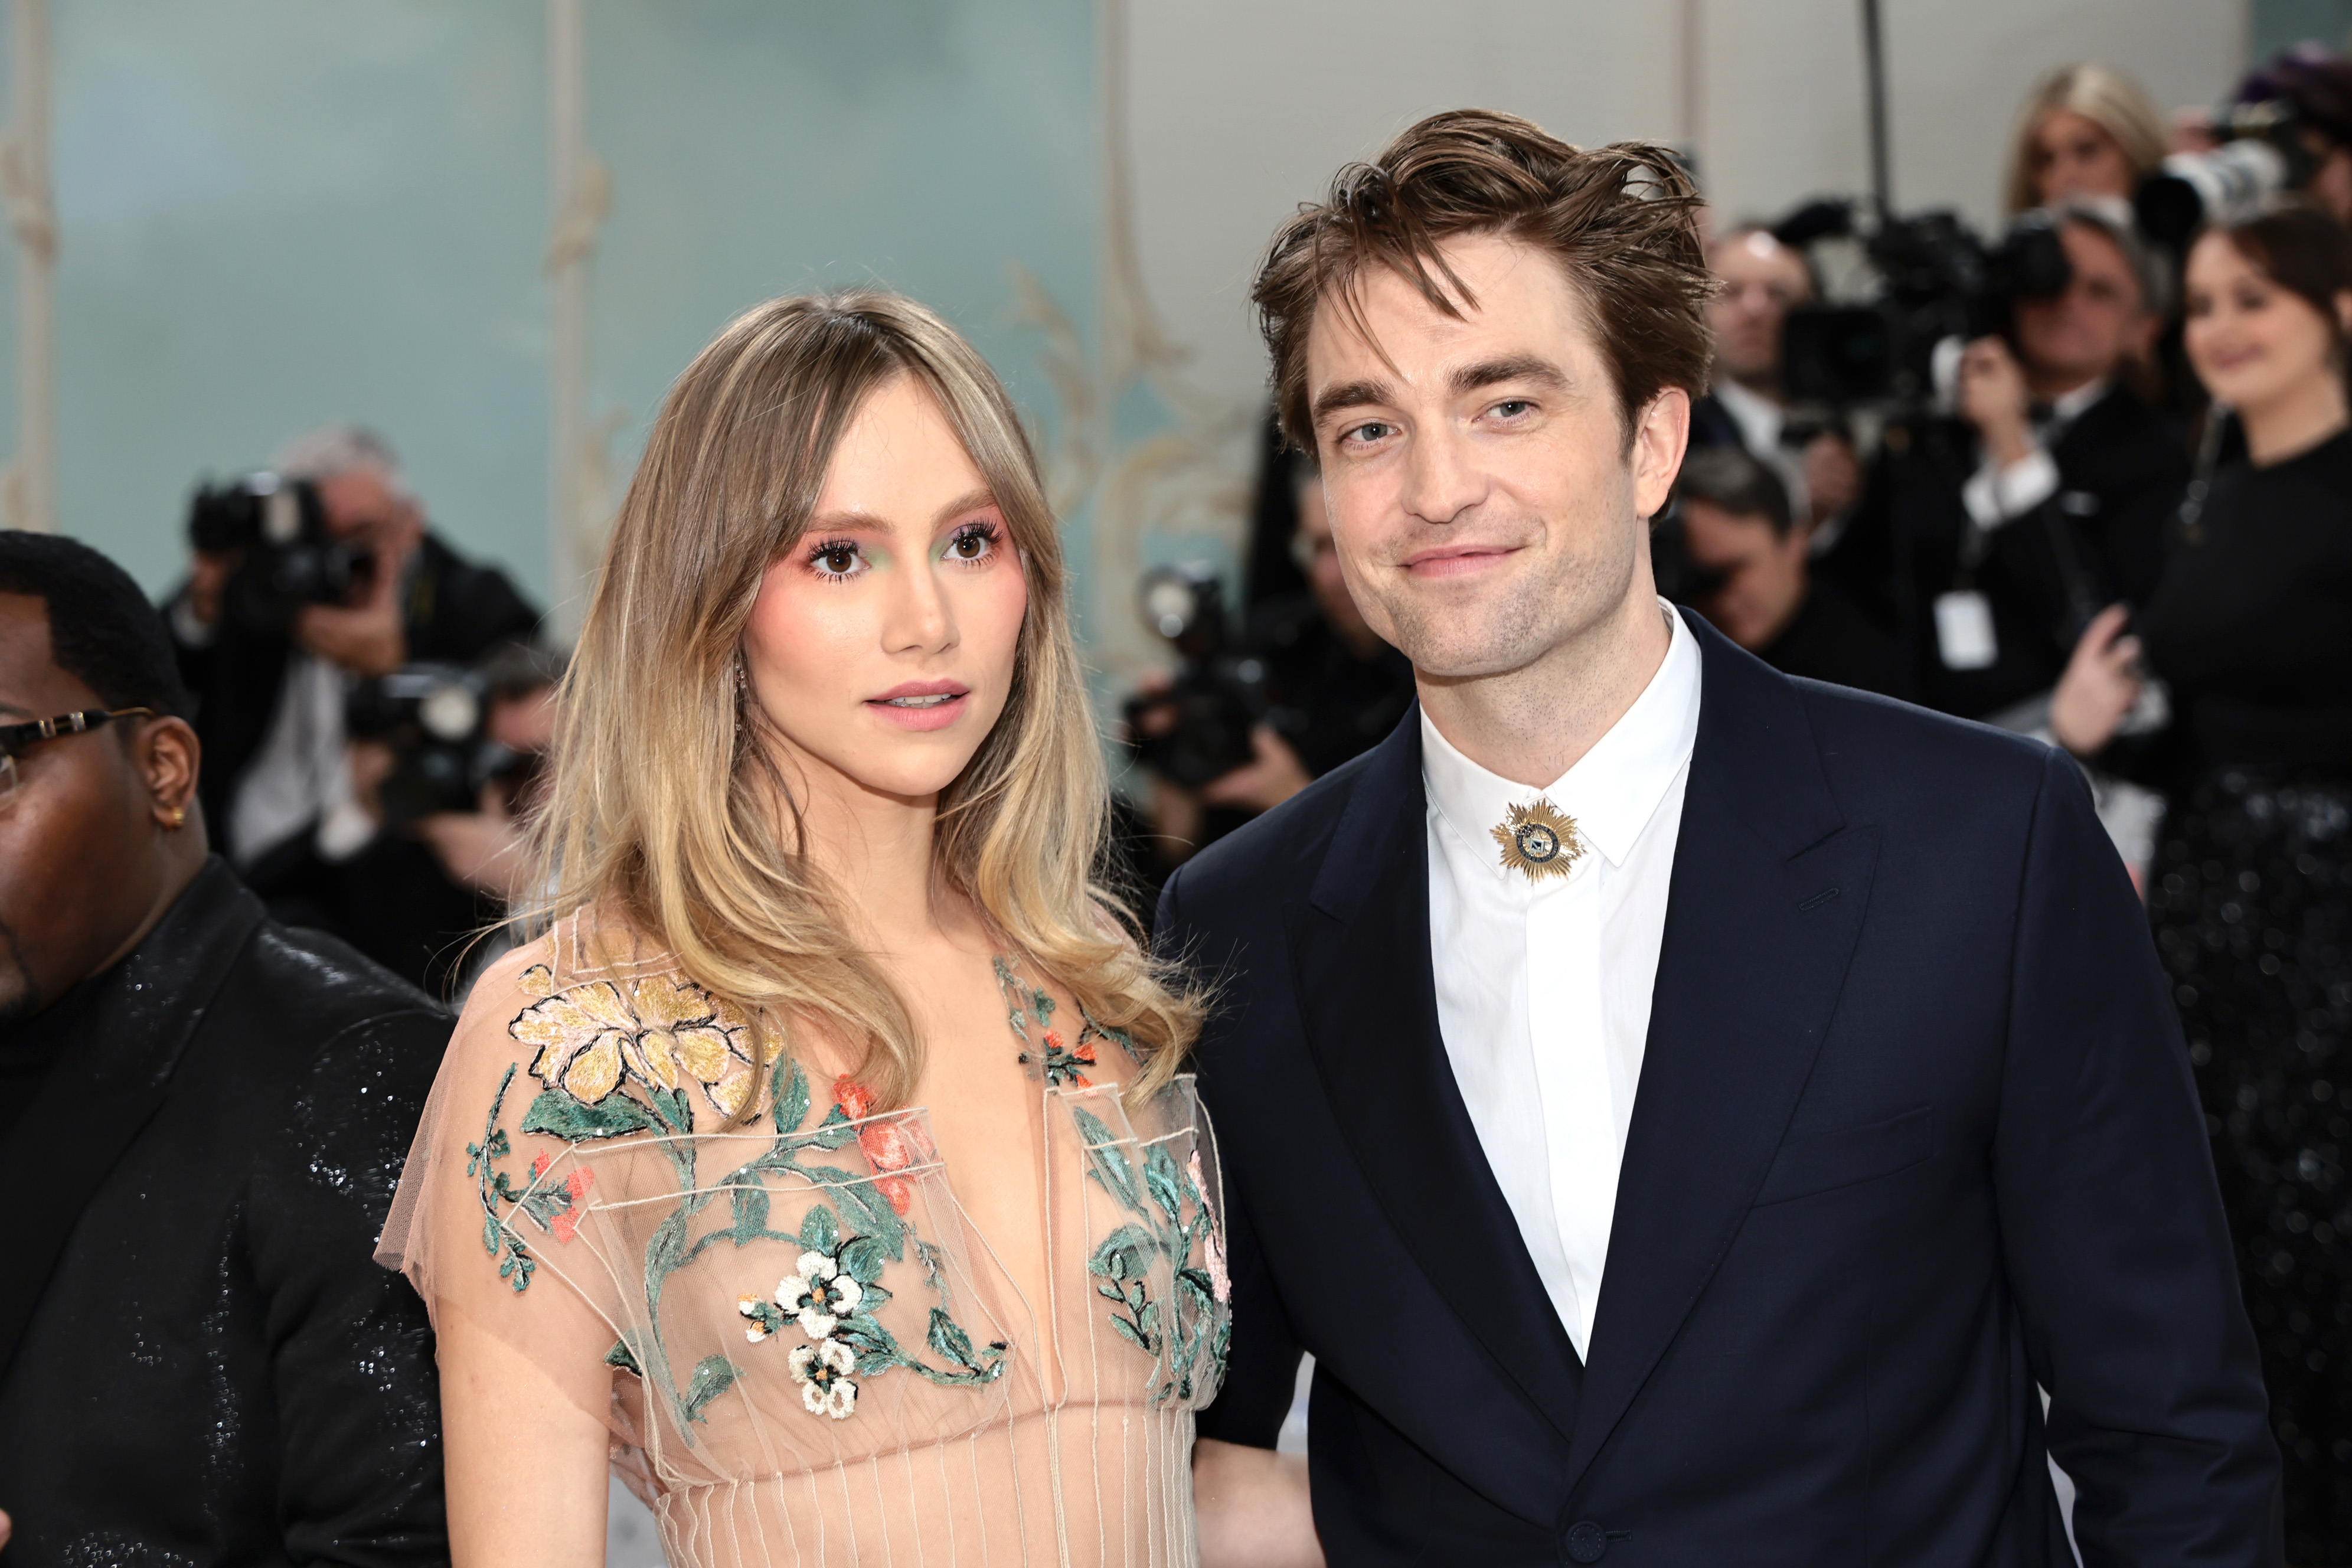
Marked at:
<point>1914,1133</point>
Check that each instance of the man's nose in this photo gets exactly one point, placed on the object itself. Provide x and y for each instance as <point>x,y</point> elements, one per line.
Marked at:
<point>1442,478</point>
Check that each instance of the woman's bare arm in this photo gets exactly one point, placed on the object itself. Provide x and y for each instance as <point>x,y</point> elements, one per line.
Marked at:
<point>1252,1508</point>
<point>526,1463</point>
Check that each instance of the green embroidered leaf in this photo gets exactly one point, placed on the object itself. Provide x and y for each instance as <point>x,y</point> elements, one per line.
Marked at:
<point>834,1132</point>
<point>819,1233</point>
<point>1124,1254</point>
<point>1147,1318</point>
<point>674,1106</point>
<point>1194,1284</point>
<point>750,1210</point>
<point>620,1355</point>
<point>1166,1180</point>
<point>713,1375</point>
<point>557,1112</point>
<point>1133,1335</point>
<point>791,1097</point>
<point>490,1234</point>
<point>665,1252</point>
<point>861,1260</point>
<point>875,1296</point>
<point>1108,1162</point>
<point>948,1338</point>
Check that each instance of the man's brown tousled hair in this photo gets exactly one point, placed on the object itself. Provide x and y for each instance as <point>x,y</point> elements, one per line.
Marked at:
<point>1620,220</point>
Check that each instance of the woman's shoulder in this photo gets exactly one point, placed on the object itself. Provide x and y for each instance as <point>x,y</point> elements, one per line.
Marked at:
<point>593,1011</point>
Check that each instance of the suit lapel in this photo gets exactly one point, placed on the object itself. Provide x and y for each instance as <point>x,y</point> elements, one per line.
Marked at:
<point>108,1084</point>
<point>1766,903</point>
<point>1360,960</point>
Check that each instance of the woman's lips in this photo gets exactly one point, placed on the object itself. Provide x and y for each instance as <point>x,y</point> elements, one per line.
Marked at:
<point>922,705</point>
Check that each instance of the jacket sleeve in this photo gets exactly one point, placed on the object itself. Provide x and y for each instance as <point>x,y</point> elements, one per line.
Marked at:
<point>1262,1364</point>
<point>351,1350</point>
<point>2112,1226</point>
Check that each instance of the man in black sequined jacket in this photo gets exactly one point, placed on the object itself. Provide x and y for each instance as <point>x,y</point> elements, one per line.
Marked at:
<point>202,1118</point>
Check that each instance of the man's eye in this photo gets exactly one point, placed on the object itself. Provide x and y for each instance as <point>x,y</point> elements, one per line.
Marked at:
<point>1368,432</point>
<point>1512,407</point>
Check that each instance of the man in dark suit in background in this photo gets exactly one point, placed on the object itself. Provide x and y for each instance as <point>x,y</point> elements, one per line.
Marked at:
<point>202,1116</point>
<point>1685,1110</point>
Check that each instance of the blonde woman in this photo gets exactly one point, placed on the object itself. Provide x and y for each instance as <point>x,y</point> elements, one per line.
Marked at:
<point>827,1164</point>
<point>2086,130</point>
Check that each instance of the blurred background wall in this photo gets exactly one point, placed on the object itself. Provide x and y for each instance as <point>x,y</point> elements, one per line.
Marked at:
<point>275,213</point>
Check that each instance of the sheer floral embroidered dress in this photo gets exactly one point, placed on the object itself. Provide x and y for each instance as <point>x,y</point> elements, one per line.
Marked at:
<point>814,1355</point>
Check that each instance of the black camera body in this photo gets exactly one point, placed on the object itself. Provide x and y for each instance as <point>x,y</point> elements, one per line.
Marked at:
<point>1198,728</point>
<point>1940,283</point>
<point>436,719</point>
<point>290,560</point>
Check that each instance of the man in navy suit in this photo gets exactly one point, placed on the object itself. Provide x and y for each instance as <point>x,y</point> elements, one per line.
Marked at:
<point>1691,1115</point>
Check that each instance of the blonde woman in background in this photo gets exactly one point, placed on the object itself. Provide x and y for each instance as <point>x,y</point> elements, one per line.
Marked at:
<point>826,1163</point>
<point>2086,130</point>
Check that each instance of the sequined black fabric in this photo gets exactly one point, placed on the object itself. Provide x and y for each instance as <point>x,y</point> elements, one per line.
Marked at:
<point>200,1362</point>
<point>2252,901</point>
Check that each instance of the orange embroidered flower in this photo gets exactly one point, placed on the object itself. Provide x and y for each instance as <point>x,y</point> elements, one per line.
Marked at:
<point>890,1143</point>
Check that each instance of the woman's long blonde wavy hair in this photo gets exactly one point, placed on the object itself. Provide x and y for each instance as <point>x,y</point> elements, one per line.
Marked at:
<point>2108,99</point>
<point>666,810</point>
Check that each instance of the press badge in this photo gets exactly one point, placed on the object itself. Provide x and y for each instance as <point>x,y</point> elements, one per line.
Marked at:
<point>1964,630</point>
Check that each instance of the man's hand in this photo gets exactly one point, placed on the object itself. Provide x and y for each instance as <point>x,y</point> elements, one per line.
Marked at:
<point>1833,477</point>
<point>480,849</point>
<point>1995,400</point>
<point>1253,1507</point>
<point>1274,776</point>
<point>368,637</point>
<point>2100,687</point>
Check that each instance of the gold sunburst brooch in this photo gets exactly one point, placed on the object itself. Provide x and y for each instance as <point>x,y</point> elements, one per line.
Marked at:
<point>1538,841</point>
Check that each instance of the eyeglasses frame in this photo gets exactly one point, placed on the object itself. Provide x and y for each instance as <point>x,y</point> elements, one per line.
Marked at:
<point>13,738</point>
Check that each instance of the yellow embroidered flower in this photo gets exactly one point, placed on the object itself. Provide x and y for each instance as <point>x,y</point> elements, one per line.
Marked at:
<point>664,1032</point>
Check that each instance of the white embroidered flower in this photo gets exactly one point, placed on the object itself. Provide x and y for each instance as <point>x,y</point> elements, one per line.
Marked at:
<point>820,1295</point>
<point>823,1370</point>
<point>762,1316</point>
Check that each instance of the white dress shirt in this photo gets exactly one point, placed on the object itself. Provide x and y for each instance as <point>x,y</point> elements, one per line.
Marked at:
<point>1998,493</point>
<point>1544,989</point>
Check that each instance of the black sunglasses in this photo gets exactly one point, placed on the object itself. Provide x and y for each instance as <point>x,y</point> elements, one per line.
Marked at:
<point>14,738</point>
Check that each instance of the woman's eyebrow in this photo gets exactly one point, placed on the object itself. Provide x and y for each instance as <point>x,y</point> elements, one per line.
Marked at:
<point>970,501</point>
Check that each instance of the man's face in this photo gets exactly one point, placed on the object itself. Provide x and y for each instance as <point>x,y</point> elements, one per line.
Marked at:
<point>363,508</point>
<point>1481,493</point>
<point>1763,280</point>
<point>1763,573</point>
<point>2095,325</point>
<point>77,870</point>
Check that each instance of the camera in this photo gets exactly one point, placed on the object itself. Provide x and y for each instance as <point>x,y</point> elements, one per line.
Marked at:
<point>1199,728</point>
<point>435,720</point>
<point>1938,284</point>
<point>2262,153</point>
<point>290,560</point>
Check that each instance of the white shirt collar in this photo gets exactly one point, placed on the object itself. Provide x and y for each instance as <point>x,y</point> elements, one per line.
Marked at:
<point>1613,789</point>
<point>1761,420</point>
<point>2067,407</point>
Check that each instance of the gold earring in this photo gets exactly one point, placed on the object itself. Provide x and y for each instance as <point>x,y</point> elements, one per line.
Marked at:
<point>179,817</point>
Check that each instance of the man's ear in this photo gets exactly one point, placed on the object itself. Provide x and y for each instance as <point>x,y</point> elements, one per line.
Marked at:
<point>1661,433</point>
<point>169,758</point>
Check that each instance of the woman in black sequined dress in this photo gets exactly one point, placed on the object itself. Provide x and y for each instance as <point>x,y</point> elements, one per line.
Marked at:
<point>2250,893</point>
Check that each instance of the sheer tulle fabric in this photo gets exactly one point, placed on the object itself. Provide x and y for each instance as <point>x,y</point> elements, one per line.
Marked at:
<point>803,1350</point>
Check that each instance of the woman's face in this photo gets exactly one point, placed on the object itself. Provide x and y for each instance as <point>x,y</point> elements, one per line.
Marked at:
<point>881,646</point>
<point>2251,341</point>
<point>2073,157</point>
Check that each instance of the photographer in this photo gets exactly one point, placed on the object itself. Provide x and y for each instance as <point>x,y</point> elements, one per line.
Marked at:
<point>1330,688</point>
<point>2314,83</point>
<point>271,683</point>
<point>1992,539</point>
<point>1745,565</point>
<point>1762,281</point>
